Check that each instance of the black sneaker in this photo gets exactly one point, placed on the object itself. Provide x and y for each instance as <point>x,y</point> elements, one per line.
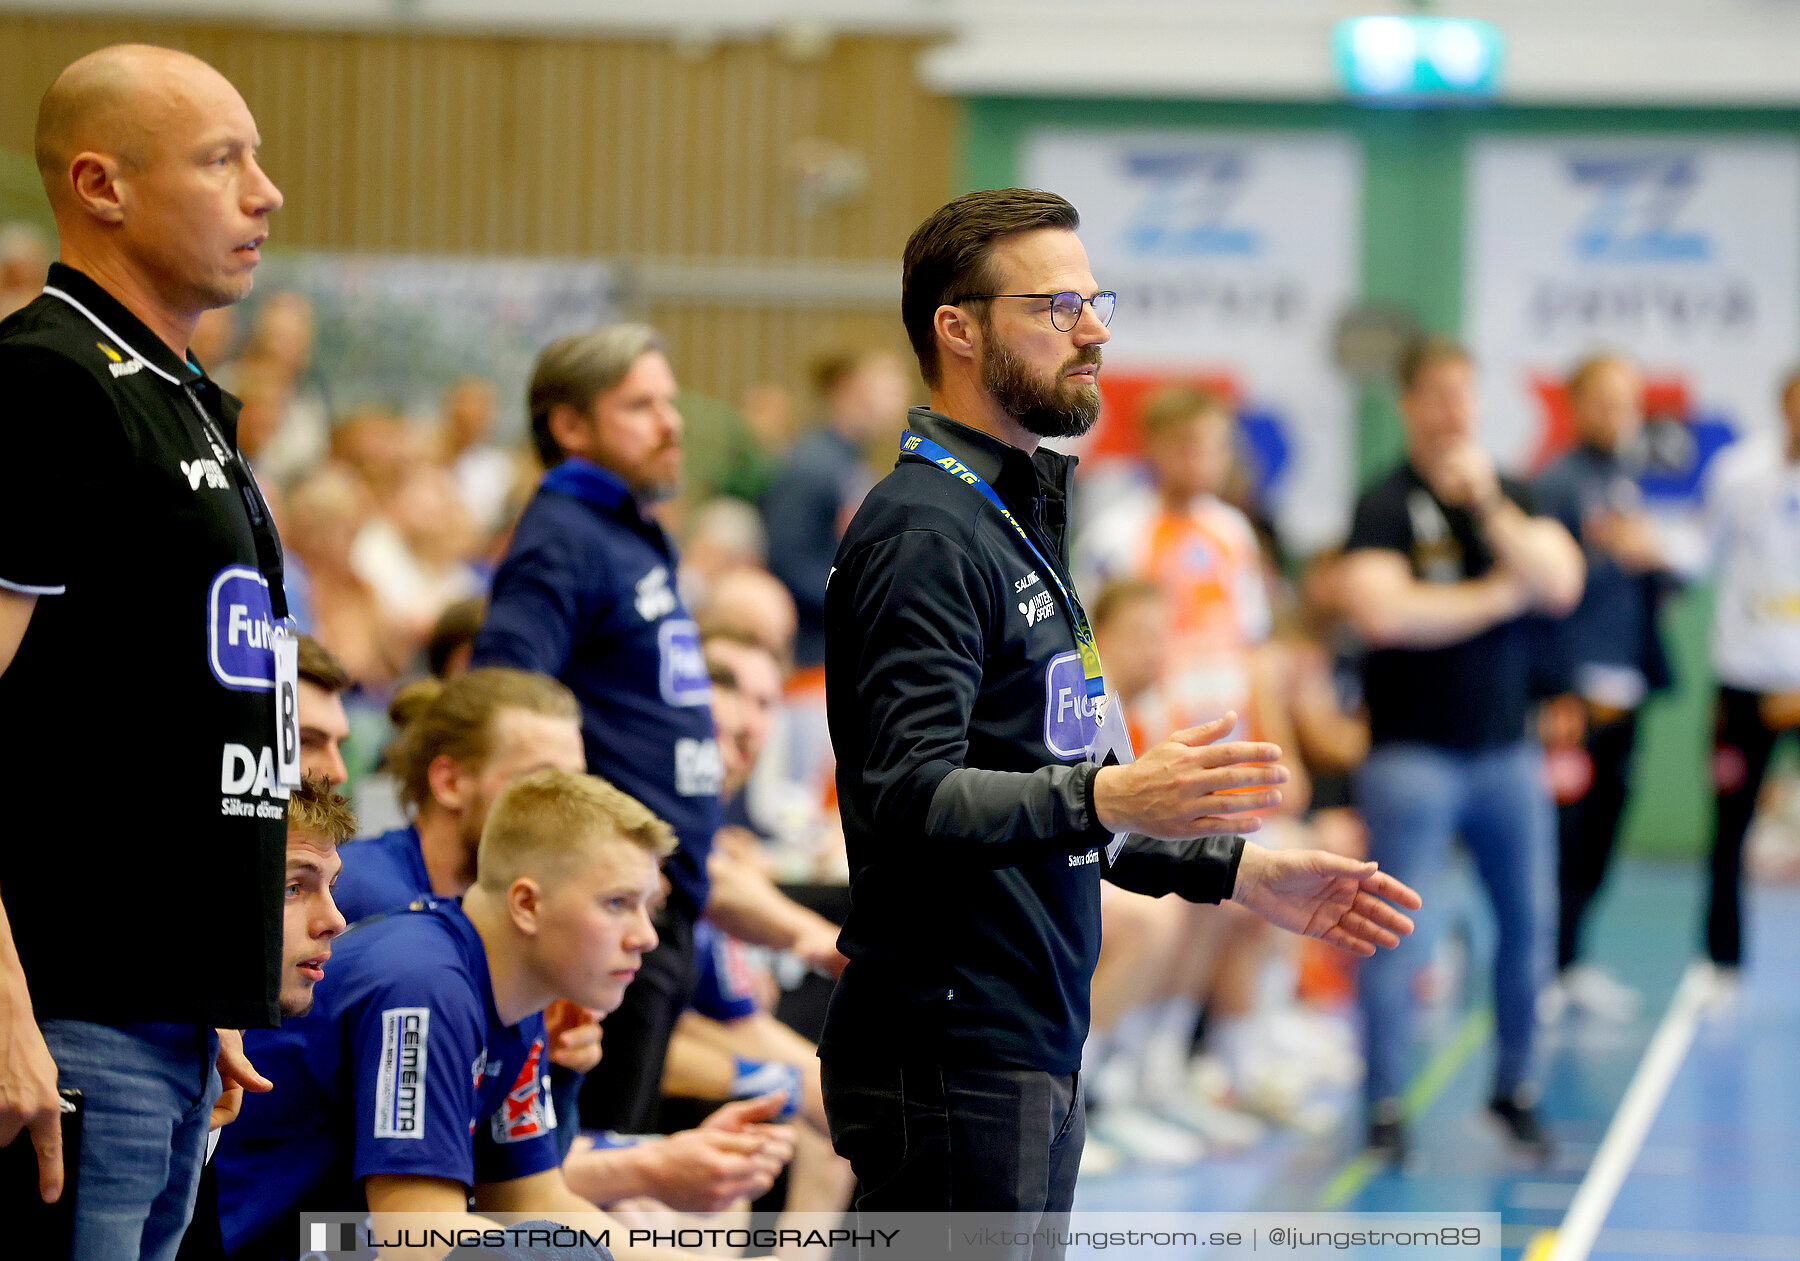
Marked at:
<point>1387,1133</point>
<point>1518,1113</point>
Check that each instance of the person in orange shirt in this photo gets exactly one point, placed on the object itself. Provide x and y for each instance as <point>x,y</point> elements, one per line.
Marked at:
<point>1157,955</point>
<point>1204,558</point>
<point>1199,549</point>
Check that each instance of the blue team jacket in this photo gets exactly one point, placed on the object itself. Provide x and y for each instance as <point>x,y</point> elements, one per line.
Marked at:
<point>587,594</point>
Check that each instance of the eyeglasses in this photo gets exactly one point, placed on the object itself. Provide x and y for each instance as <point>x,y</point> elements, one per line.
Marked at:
<point>1065,307</point>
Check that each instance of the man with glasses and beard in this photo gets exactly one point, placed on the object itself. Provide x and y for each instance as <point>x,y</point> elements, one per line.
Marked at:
<point>967,706</point>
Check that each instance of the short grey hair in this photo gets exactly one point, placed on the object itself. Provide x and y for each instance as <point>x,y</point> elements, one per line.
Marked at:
<point>579,368</point>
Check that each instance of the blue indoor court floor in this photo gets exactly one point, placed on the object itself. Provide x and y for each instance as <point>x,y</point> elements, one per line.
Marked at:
<point>1705,1163</point>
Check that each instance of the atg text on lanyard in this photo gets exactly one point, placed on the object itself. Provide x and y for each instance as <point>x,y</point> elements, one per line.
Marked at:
<point>918,444</point>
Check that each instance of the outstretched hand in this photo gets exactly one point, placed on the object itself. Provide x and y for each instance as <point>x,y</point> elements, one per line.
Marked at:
<point>1323,895</point>
<point>237,1074</point>
<point>1190,786</point>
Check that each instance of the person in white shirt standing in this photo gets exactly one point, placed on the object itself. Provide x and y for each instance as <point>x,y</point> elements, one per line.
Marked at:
<point>1753,515</point>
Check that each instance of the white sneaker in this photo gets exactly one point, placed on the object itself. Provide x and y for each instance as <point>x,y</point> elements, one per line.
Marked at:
<point>1593,991</point>
<point>1325,1045</point>
<point>1552,1002</point>
<point>1149,1140</point>
<point>1099,1158</point>
<point>1722,987</point>
<point>1209,1078</point>
<point>1282,1092</point>
<point>1217,1123</point>
<point>1112,1082</point>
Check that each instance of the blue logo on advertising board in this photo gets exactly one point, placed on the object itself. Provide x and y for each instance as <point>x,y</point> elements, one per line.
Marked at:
<point>1268,449</point>
<point>1069,724</point>
<point>240,630</point>
<point>1187,204</point>
<point>682,668</point>
<point>1636,199</point>
<point>1678,453</point>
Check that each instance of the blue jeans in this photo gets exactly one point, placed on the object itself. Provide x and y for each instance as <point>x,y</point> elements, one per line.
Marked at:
<point>148,1092</point>
<point>1414,798</point>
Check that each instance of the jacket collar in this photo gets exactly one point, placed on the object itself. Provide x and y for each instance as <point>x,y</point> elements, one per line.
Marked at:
<point>606,493</point>
<point>582,479</point>
<point>1018,478</point>
<point>110,317</point>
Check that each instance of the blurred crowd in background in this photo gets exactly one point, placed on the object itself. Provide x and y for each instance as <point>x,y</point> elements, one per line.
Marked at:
<point>1208,1028</point>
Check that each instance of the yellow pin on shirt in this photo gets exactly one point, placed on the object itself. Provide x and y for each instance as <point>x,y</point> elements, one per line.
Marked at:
<point>110,353</point>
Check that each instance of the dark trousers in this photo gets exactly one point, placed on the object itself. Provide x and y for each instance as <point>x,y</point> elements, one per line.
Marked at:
<point>928,1138</point>
<point>1742,742</point>
<point>624,1092</point>
<point>1588,829</point>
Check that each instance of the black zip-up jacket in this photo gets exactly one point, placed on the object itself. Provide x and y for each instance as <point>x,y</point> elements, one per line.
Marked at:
<point>959,719</point>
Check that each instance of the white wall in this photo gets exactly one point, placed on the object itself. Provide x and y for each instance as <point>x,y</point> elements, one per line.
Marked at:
<point>1597,51</point>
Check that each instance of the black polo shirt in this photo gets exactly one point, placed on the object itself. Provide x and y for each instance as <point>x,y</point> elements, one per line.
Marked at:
<point>142,845</point>
<point>1470,695</point>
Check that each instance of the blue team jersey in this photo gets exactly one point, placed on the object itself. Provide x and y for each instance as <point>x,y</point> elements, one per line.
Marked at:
<point>402,1067</point>
<point>382,873</point>
<point>587,594</point>
<point>723,986</point>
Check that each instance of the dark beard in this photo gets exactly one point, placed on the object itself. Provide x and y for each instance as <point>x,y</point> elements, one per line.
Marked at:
<point>1051,409</point>
<point>291,1013</point>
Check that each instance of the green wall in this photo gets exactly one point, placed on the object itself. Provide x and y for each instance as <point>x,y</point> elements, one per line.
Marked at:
<point>1412,258</point>
<point>22,192</point>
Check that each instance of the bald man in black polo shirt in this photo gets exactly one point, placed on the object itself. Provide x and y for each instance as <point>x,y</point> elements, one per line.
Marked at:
<point>141,619</point>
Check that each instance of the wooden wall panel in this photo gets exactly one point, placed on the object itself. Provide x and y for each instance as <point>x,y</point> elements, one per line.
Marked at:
<point>620,148</point>
<point>744,345</point>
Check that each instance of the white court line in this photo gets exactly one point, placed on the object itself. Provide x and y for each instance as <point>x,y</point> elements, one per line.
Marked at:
<point>1625,1136</point>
